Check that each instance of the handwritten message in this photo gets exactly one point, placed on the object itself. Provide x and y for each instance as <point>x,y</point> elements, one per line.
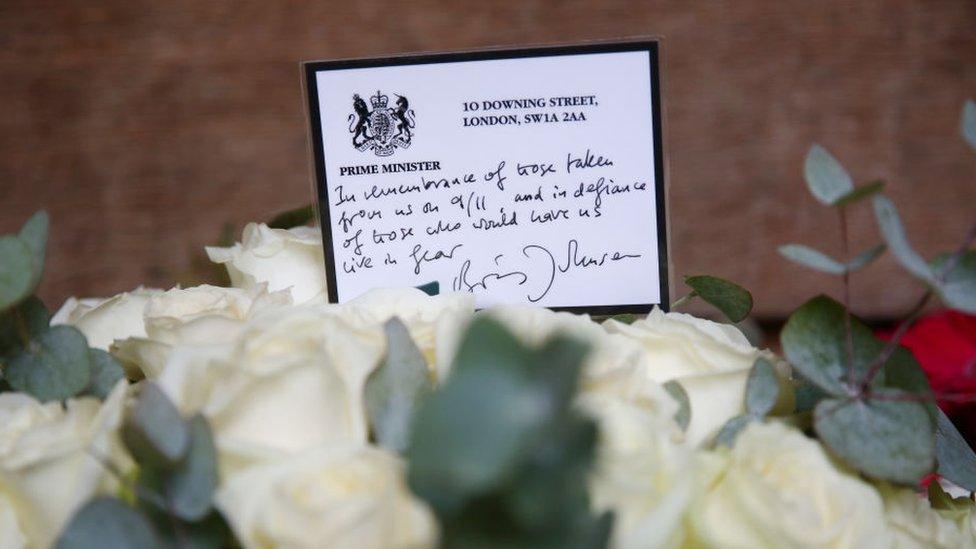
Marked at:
<point>546,196</point>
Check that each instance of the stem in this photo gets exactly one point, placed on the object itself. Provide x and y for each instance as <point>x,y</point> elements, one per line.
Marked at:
<point>916,311</point>
<point>848,331</point>
<point>892,345</point>
<point>683,299</point>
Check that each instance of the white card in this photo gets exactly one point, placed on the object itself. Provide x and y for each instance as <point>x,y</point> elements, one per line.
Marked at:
<point>522,176</point>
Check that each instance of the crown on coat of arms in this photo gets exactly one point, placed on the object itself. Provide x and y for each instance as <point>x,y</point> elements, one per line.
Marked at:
<point>379,100</point>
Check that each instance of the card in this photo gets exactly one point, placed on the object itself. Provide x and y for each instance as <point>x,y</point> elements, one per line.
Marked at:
<point>529,176</point>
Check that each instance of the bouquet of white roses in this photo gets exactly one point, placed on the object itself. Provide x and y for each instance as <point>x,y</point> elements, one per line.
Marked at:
<point>264,416</point>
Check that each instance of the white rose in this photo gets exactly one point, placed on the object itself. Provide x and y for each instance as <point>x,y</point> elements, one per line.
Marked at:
<point>11,535</point>
<point>47,468</point>
<point>915,524</point>
<point>777,488</point>
<point>105,320</point>
<point>349,496</point>
<point>285,259</point>
<point>291,380</point>
<point>199,315</point>
<point>642,471</point>
<point>434,322</point>
<point>710,360</point>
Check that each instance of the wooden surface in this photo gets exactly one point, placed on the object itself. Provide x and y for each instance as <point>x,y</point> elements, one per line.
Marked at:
<point>144,127</point>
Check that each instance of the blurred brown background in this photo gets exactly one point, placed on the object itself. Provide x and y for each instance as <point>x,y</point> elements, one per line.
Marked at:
<point>144,127</point>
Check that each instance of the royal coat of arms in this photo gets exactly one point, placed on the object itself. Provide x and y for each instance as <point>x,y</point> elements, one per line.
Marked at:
<point>384,128</point>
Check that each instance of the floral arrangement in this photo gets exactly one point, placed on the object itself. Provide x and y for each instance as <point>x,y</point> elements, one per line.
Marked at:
<point>261,415</point>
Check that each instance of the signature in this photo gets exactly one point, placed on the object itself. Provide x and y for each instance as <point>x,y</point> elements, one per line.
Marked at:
<point>542,264</point>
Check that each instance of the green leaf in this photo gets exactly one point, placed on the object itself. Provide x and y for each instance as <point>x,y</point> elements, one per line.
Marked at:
<point>957,288</point>
<point>554,368</point>
<point>190,486</point>
<point>894,234</point>
<point>16,271</point>
<point>762,388</point>
<point>487,345</point>
<point>468,436</point>
<point>808,257</point>
<point>210,533</point>
<point>941,500</point>
<point>860,193</point>
<point>733,300</point>
<point>816,260</point>
<point>683,415</point>
<point>54,366</point>
<point>730,431</point>
<point>107,522</point>
<point>885,439</point>
<point>815,342</point>
<point>957,462</point>
<point>31,316</point>
<point>626,318</point>
<point>106,373</point>
<point>34,235</point>
<point>967,125</point>
<point>807,396</point>
<point>395,388</point>
<point>903,372</point>
<point>865,258</point>
<point>293,218</point>
<point>153,431</point>
<point>827,180</point>
<point>431,288</point>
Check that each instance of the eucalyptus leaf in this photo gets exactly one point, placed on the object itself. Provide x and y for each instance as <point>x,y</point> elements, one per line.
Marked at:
<point>903,372</point>
<point>554,368</point>
<point>762,388</point>
<point>54,366</point>
<point>29,318</point>
<point>957,461</point>
<point>968,123</point>
<point>807,396</point>
<point>395,388</point>
<point>809,257</point>
<point>815,342</point>
<point>293,218</point>
<point>153,431</point>
<point>190,486</point>
<point>106,373</point>
<point>885,439</point>
<point>957,288</point>
<point>488,345</point>
<point>733,300</point>
<point>827,180</point>
<point>34,235</point>
<point>469,436</point>
<point>430,288</point>
<point>860,193</point>
<point>16,271</point>
<point>730,431</point>
<point>894,234</point>
<point>678,393</point>
<point>107,522</point>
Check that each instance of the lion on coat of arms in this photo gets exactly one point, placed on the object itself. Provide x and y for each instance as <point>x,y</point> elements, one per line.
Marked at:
<point>382,129</point>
